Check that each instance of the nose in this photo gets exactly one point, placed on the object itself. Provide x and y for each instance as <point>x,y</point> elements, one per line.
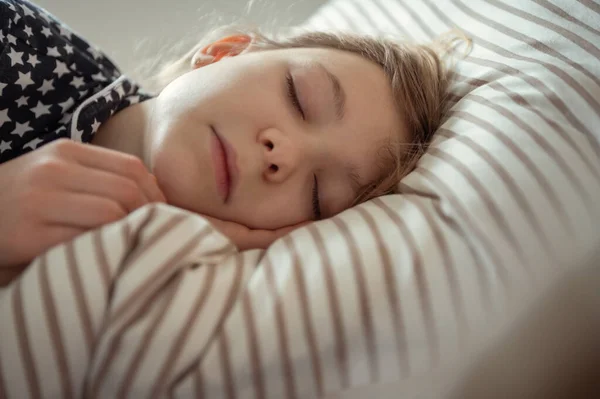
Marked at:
<point>282,155</point>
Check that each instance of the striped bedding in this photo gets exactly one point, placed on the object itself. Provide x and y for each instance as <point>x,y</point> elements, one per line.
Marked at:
<point>161,305</point>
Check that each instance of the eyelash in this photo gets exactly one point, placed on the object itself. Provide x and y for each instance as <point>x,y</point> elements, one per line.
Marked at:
<point>315,199</point>
<point>296,103</point>
<point>294,96</point>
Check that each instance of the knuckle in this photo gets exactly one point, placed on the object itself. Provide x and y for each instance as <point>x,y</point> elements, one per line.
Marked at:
<point>62,146</point>
<point>130,193</point>
<point>112,212</point>
<point>135,167</point>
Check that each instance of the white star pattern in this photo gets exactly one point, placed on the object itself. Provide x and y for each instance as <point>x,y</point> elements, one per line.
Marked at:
<point>33,143</point>
<point>4,116</point>
<point>40,109</point>
<point>77,82</point>
<point>46,31</point>
<point>77,135</point>
<point>5,146</point>
<point>28,31</point>
<point>65,105</point>
<point>53,52</point>
<point>47,86</point>
<point>15,57</point>
<point>65,32</point>
<point>24,80</point>
<point>33,61</point>
<point>94,52</point>
<point>95,125</point>
<point>120,91</point>
<point>46,17</point>
<point>22,128</point>
<point>22,101</point>
<point>50,80</point>
<point>61,68</point>
<point>66,118</point>
<point>99,77</point>
<point>28,11</point>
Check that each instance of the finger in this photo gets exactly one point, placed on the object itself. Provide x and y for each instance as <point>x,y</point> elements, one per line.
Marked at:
<point>115,162</point>
<point>81,210</point>
<point>100,183</point>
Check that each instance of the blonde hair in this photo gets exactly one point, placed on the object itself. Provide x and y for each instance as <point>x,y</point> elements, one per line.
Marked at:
<point>418,75</point>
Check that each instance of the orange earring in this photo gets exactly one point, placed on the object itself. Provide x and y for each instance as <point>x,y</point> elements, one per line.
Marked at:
<point>226,46</point>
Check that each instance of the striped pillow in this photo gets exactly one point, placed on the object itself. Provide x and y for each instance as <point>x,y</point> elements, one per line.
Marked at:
<point>506,196</point>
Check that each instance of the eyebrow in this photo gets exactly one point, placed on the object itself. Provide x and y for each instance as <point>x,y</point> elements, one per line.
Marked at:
<point>339,95</point>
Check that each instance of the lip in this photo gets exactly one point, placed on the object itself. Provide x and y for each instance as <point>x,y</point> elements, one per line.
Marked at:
<point>225,165</point>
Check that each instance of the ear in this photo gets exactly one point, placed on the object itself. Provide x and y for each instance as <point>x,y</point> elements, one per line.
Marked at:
<point>229,46</point>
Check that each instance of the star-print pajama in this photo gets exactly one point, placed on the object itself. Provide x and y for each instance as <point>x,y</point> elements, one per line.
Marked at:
<point>53,83</point>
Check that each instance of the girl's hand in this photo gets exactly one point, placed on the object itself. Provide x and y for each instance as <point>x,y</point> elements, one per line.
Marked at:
<point>246,238</point>
<point>62,190</point>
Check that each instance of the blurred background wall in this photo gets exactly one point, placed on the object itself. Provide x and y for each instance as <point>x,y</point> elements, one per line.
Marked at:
<point>131,31</point>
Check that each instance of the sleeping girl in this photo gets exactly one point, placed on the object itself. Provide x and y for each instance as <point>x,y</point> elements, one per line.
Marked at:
<point>260,135</point>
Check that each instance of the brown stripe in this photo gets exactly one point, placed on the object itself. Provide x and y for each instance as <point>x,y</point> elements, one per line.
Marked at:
<point>178,344</point>
<point>138,292</point>
<point>490,247</point>
<point>449,266</point>
<point>23,338</point>
<point>226,365</point>
<point>542,47</point>
<point>366,8</point>
<point>3,391</point>
<point>56,336</point>
<point>284,346</point>
<point>548,149</point>
<point>309,329</point>
<point>527,162</point>
<point>364,299</point>
<point>104,267</point>
<point>254,347</point>
<point>136,249</point>
<point>81,301</point>
<point>549,94</point>
<point>150,285</point>
<point>486,197</point>
<point>558,11</point>
<point>591,5</point>
<point>167,290</point>
<point>199,384</point>
<point>388,16</point>
<point>145,342</point>
<point>341,350</point>
<point>414,16</point>
<point>349,21</point>
<point>431,332</point>
<point>229,303</point>
<point>392,294</point>
<point>520,100</point>
<point>508,180</point>
<point>567,34</point>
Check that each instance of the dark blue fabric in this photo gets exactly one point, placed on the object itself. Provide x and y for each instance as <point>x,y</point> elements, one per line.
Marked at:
<point>53,83</point>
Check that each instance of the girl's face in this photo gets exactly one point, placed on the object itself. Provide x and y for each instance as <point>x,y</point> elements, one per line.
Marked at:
<point>299,128</point>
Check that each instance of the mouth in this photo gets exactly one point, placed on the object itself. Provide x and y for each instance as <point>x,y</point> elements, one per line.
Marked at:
<point>224,165</point>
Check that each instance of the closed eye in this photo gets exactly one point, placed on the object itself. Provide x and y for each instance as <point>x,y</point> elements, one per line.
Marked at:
<point>291,87</point>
